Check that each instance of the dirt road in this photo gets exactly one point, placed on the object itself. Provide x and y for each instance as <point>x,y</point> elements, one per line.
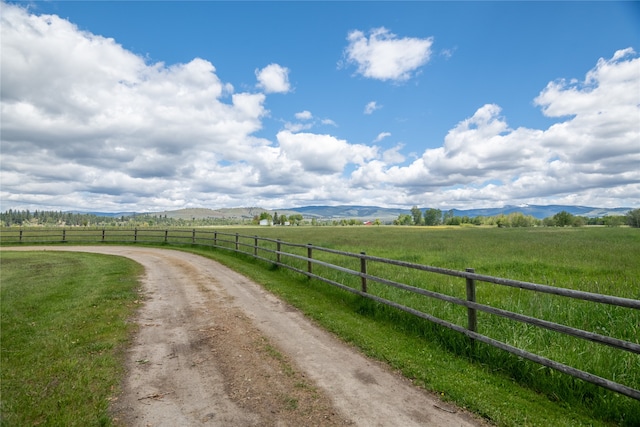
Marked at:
<point>214,348</point>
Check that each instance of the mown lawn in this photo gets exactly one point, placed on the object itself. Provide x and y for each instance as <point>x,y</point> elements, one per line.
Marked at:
<point>64,326</point>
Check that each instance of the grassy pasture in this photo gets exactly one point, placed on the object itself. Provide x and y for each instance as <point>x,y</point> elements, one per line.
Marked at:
<point>64,328</point>
<point>487,380</point>
<point>600,260</point>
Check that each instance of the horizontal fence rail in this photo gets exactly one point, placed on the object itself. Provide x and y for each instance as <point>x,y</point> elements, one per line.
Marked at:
<point>305,259</point>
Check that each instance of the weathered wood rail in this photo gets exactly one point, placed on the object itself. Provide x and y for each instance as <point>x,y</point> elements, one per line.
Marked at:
<point>305,259</point>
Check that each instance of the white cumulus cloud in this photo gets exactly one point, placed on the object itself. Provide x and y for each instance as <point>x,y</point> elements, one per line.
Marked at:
<point>274,78</point>
<point>385,56</point>
<point>304,115</point>
<point>585,159</point>
<point>323,153</point>
<point>82,107</point>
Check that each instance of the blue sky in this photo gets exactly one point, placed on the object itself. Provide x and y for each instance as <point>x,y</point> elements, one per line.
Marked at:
<point>146,106</point>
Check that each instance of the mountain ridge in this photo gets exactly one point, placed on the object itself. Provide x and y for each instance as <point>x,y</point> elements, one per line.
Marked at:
<point>365,212</point>
<point>537,211</point>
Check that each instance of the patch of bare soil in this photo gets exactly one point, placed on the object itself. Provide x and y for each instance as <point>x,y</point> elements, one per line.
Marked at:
<point>214,348</point>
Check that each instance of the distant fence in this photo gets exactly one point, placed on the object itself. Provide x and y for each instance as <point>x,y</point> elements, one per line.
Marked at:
<point>302,258</point>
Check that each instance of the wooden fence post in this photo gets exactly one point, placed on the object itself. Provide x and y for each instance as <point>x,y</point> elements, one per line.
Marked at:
<point>255,245</point>
<point>278,251</point>
<point>363,270</point>
<point>20,236</point>
<point>103,234</point>
<point>166,235</point>
<point>237,245</point>
<point>310,256</point>
<point>135,234</point>
<point>64,235</point>
<point>193,236</point>
<point>472,320</point>
<point>215,238</point>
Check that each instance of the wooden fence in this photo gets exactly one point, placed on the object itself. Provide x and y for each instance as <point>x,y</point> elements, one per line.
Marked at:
<point>308,260</point>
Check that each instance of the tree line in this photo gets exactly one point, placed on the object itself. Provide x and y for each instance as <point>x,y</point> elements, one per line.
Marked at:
<point>57,218</point>
<point>275,219</point>
<point>432,217</point>
<point>428,217</point>
<point>49,218</point>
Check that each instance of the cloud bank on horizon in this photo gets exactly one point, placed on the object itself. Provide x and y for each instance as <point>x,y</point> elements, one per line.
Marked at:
<point>89,125</point>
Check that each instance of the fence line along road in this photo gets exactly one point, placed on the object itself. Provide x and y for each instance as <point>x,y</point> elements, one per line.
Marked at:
<point>302,258</point>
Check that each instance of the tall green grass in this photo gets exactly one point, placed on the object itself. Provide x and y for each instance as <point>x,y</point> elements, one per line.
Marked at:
<point>64,327</point>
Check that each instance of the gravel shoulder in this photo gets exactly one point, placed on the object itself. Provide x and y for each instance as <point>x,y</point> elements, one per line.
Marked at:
<point>215,348</point>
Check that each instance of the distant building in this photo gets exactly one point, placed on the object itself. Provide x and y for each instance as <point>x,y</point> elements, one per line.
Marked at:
<point>265,222</point>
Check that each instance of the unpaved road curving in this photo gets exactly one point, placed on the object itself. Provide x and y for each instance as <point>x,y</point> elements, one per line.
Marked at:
<point>214,348</point>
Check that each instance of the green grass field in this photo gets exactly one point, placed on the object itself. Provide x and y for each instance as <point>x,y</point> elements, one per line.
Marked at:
<point>504,388</point>
<point>63,332</point>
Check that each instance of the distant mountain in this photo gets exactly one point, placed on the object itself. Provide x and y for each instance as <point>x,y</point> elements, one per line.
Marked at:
<point>339,212</point>
<point>107,214</point>
<point>541,212</point>
<point>200,213</point>
<point>223,213</point>
<point>371,212</point>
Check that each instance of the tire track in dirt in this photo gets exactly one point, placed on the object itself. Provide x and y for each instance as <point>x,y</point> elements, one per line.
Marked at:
<point>214,348</point>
